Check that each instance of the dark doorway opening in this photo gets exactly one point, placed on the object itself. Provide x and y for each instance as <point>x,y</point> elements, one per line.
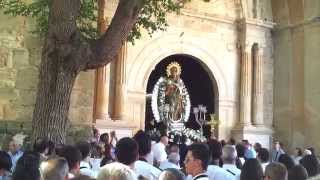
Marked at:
<point>201,88</point>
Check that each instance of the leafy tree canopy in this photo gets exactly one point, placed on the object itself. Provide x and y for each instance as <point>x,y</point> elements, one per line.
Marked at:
<point>151,18</point>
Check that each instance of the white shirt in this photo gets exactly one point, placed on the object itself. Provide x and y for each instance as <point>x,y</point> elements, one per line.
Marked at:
<point>146,170</point>
<point>167,164</point>
<point>159,152</point>
<point>149,157</point>
<point>297,159</point>
<point>85,169</point>
<point>233,170</point>
<point>217,173</point>
<point>264,165</point>
<point>95,163</point>
<point>198,177</point>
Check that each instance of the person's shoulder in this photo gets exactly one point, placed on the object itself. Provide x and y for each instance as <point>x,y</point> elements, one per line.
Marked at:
<point>203,176</point>
<point>156,145</point>
<point>213,168</point>
<point>218,172</point>
<point>144,168</point>
<point>144,164</point>
<point>314,178</point>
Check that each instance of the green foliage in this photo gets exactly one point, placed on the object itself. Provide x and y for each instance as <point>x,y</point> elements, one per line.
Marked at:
<point>152,17</point>
<point>39,10</point>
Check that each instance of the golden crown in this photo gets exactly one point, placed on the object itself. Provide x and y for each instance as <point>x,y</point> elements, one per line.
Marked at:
<point>173,65</point>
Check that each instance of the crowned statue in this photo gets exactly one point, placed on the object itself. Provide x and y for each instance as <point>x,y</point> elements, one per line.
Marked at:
<point>170,99</point>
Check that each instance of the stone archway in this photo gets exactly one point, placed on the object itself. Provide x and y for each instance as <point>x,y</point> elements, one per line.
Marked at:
<point>156,51</point>
<point>199,82</point>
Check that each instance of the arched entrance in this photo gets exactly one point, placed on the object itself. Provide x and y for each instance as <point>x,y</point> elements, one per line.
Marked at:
<point>141,65</point>
<point>200,83</point>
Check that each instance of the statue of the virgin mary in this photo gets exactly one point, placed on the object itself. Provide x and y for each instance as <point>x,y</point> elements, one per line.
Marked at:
<point>170,99</point>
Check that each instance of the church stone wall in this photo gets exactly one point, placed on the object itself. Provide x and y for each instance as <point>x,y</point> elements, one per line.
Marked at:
<point>312,87</point>
<point>297,93</point>
<point>19,61</point>
<point>198,31</point>
<point>20,53</point>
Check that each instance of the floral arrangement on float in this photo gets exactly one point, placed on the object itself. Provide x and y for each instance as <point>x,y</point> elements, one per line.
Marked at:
<point>191,134</point>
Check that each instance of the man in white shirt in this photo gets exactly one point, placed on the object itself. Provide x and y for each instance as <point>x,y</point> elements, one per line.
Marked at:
<point>214,171</point>
<point>196,161</point>
<point>141,166</point>
<point>263,157</point>
<point>172,161</point>
<point>229,156</point>
<point>159,150</point>
<point>73,156</point>
<point>15,151</point>
<point>85,166</point>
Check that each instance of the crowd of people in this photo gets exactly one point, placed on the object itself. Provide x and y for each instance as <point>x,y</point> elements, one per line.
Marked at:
<point>104,157</point>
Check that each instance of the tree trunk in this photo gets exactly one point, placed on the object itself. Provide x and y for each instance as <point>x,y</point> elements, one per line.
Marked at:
<point>65,54</point>
<point>50,118</point>
<point>58,72</point>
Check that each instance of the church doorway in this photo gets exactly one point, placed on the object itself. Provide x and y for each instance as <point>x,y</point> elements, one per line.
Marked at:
<point>199,82</point>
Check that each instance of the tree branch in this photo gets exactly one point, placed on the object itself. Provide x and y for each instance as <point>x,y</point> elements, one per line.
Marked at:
<point>107,47</point>
<point>62,19</point>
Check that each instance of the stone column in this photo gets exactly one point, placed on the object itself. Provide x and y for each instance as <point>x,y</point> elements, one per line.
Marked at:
<point>101,93</point>
<point>245,88</point>
<point>101,96</point>
<point>257,106</point>
<point>118,84</point>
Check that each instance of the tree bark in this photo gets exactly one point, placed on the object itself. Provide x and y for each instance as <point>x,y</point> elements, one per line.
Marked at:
<point>65,54</point>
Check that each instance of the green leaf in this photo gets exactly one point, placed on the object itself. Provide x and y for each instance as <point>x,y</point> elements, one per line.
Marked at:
<point>151,18</point>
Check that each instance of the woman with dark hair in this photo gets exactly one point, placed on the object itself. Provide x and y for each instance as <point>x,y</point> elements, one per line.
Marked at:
<point>27,167</point>
<point>297,155</point>
<point>311,163</point>
<point>41,146</point>
<point>241,149</point>
<point>251,170</point>
<point>215,148</point>
<point>214,171</point>
<point>51,151</point>
<point>286,160</point>
<point>183,149</point>
<point>104,138</point>
<point>297,172</point>
<point>107,158</point>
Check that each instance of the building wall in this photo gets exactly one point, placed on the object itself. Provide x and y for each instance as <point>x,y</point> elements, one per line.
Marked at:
<point>204,29</point>
<point>296,93</point>
<point>20,53</point>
